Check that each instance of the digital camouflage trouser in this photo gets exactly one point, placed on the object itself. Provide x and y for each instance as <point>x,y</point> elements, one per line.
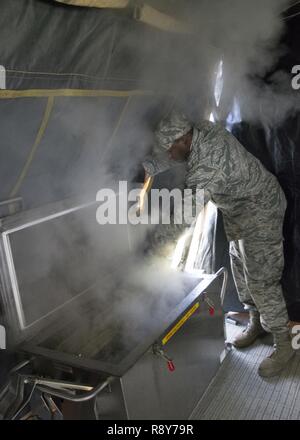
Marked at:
<point>257,267</point>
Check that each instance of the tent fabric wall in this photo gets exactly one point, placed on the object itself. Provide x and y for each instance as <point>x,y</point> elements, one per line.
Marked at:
<point>278,148</point>
<point>76,84</point>
<point>94,63</point>
<point>83,139</point>
<point>48,45</point>
<point>284,147</point>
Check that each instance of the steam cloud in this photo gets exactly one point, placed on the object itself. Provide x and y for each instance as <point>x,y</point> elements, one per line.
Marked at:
<point>247,37</point>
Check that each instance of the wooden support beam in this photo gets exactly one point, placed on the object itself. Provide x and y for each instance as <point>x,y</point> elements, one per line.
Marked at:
<point>151,16</point>
<point>97,3</point>
<point>141,12</point>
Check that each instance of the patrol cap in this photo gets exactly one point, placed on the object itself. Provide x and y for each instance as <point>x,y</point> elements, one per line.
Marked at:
<point>171,128</point>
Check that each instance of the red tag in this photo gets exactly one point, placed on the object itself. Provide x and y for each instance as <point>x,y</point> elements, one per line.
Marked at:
<point>211,311</point>
<point>171,366</point>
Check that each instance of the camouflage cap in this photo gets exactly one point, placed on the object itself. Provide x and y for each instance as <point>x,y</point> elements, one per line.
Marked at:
<point>172,128</point>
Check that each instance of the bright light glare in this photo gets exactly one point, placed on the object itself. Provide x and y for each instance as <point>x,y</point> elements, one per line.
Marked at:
<point>190,264</point>
<point>178,253</point>
<point>212,118</point>
<point>219,83</point>
<point>235,115</point>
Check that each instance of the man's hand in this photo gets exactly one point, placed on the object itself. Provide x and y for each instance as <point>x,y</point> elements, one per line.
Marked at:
<point>165,251</point>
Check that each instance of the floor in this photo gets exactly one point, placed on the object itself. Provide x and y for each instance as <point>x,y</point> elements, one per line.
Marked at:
<point>238,393</point>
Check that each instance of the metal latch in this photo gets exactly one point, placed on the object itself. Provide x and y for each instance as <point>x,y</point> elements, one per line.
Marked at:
<point>211,306</point>
<point>158,351</point>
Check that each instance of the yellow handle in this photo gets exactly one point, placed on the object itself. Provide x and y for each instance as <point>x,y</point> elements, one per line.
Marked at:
<point>145,190</point>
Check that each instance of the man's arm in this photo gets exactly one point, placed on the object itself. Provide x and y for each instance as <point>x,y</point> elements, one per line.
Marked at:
<point>157,163</point>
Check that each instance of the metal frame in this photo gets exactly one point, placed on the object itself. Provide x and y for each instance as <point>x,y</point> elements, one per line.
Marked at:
<point>76,392</point>
<point>68,390</point>
<point>197,294</point>
<point>15,320</point>
<point>60,389</point>
<point>9,283</point>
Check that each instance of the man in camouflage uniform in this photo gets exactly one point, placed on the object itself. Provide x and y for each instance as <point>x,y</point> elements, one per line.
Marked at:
<point>253,207</point>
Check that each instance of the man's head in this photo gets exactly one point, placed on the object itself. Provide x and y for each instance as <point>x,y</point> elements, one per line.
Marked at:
<point>175,134</point>
<point>181,148</point>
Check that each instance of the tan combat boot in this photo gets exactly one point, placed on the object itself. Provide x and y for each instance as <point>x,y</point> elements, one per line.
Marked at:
<point>251,333</point>
<point>282,354</point>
